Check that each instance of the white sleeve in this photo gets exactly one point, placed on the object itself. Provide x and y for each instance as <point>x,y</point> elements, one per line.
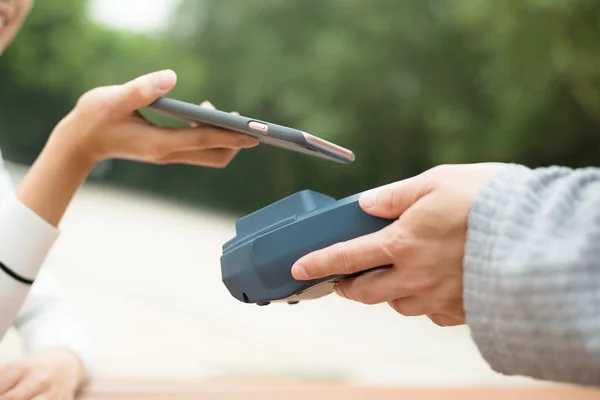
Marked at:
<point>25,240</point>
<point>46,320</point>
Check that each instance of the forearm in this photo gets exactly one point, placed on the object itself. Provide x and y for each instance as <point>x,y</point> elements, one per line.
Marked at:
<point>29,218</point>
<point>56,175</point>
<point>532,273</point>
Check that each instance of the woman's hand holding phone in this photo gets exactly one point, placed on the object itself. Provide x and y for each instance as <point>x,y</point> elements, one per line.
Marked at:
<point>105,124</point>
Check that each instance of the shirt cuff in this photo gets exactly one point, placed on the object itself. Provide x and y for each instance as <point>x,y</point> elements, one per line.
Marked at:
<point>25,238</point>
<point>60,331</point>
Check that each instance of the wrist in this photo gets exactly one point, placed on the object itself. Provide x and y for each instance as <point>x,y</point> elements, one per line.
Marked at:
<point>67,144</point>
<point>67,361</point>
<point>58,172</point>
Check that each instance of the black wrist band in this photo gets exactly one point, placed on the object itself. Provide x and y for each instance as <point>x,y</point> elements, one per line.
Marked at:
<point>15,276</point>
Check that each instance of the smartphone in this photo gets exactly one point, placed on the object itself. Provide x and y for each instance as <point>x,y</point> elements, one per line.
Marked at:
<point>266,132</point>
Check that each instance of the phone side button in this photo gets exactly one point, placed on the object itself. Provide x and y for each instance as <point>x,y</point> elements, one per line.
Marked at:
<point>258,126</point>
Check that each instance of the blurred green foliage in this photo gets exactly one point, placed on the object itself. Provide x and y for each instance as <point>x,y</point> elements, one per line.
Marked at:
<point>405,84</point>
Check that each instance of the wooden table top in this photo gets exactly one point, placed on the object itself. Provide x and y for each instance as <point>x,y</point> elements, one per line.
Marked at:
<point>277,390</point>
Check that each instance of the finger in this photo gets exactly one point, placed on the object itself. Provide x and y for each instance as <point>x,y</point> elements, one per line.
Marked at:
<point>390,201</point>
<point>412,306</point>
<point>371,288</point>
<point>27,388</point>
<point>365,252</point>
<point>144,90</point>
<point>147,142</point>
<point>445,320</point>
<point>208,137</point>
<point>10,375</point>
<point>216,158</point>
<point>403,280</point>
<point>205,104</point>
<point>208,104</point>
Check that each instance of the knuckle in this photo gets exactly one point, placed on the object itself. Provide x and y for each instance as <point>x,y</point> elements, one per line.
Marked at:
<point>362,294</point>
<point>436,319</point>
<point>387,199</point>
<point>406,307</point>
<point>431,178</point>
<point>427,184</point>
<point>314,266</point>
<point>400,307</point>
<point>396,245</point>
<point>419,284</point>
<point>341,260</point>
<point>155,151</point>
<point>318,264</point>
<point>96,99</point>
<point>440,320</point>
<point>139,91</point>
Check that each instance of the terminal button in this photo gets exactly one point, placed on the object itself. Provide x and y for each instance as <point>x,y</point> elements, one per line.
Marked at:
<point>258,126</point>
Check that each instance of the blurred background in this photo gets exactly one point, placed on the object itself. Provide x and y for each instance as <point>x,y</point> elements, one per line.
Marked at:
<point>405,84</point>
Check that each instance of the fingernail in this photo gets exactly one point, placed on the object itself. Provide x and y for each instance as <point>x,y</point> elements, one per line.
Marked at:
<point>207,104</point>
<point>164,81</point>
<point>299,272</point>
<point>368,199</point>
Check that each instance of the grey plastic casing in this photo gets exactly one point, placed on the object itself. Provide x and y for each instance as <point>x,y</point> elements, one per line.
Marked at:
<point>256,264</point>
<point>275,135</point>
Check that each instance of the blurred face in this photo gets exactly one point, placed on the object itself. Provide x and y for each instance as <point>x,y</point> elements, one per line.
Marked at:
<point>12,15</point>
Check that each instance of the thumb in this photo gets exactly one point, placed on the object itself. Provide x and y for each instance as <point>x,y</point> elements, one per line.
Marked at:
<point>390,201</point>
<point>144,90</point>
